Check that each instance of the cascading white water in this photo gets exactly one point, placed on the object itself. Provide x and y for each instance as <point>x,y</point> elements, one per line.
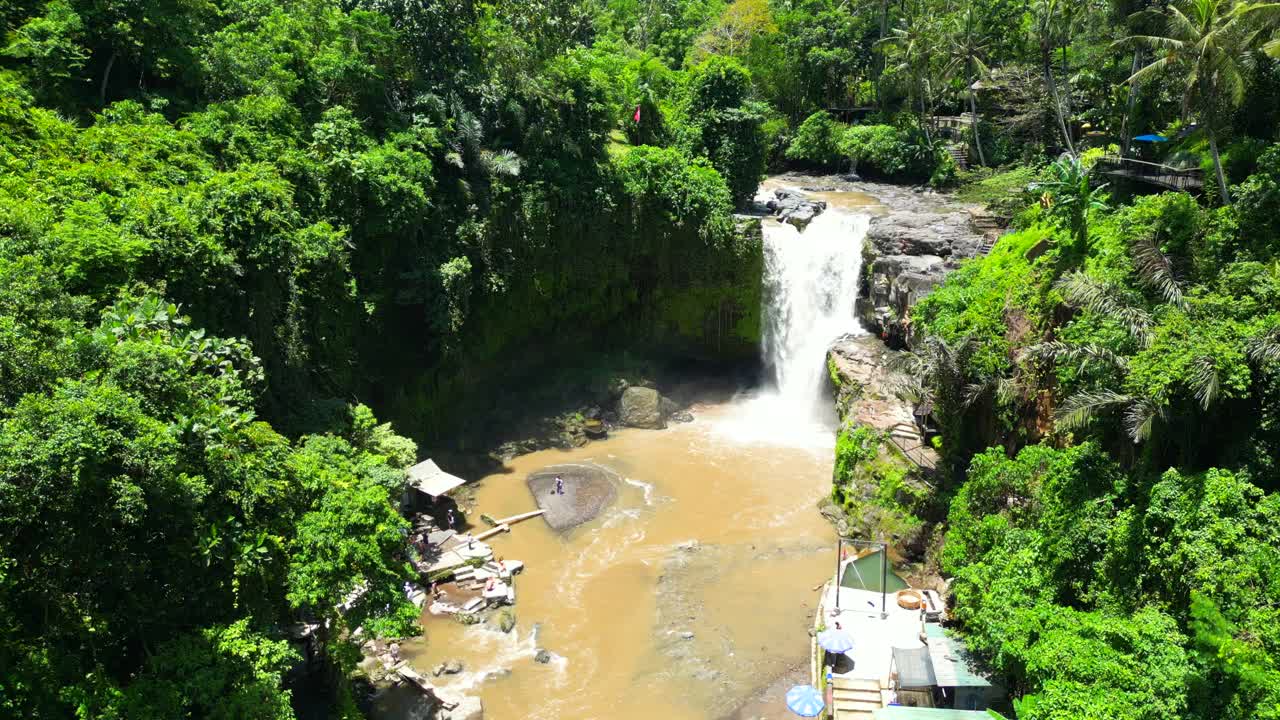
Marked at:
<point>811,284</point>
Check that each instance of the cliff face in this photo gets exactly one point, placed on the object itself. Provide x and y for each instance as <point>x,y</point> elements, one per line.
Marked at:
<point>881,482</point>
<point>910,248</point>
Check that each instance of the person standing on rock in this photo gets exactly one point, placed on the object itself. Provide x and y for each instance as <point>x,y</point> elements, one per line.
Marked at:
<point>559,485</point>
<point>449,517</point>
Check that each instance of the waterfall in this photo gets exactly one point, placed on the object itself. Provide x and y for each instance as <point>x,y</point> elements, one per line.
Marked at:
<point>811,284</point>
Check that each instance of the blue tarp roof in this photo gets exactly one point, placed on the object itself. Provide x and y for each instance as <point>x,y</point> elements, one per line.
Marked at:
<point>1151,138</point>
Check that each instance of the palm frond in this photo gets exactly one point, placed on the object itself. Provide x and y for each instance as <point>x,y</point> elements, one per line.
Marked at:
<point>1156,271</point>
<point>1206,381</point>
<point>1265,348</point>
<point>1084,292</point>
<point>1140,417</point>
<point>1083,408</point>
<point>503,162</point>
<point>1085,354</point>
<point>1151,71</point>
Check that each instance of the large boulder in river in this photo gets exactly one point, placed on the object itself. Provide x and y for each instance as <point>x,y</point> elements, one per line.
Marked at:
<point>795,208</point>
<point>641,407</point>
<point>588,489</point>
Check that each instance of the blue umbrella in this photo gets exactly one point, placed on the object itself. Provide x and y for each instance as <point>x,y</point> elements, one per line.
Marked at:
<point>835,641</point>
<point>805,700</point>
<point>1151,138</point>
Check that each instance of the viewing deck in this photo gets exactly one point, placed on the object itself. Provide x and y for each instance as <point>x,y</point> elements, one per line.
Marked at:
<point>1165,176</point>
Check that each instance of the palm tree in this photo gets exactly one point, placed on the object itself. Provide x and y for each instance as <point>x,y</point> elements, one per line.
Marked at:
<point>942,376</point>
<point>914,44</point>
<point>1212,42</point>
<point>1049,26</point>
<point>1081,409</point>
<point>1139,413</point>
<point>967,46</point>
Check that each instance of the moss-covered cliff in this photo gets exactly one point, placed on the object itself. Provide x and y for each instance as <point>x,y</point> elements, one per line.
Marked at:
<point>881,485</point>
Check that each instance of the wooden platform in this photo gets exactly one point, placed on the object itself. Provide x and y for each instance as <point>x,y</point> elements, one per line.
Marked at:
<point>1170,178</point>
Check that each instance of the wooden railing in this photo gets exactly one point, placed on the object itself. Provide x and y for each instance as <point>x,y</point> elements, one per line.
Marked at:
<point>1154,173</point>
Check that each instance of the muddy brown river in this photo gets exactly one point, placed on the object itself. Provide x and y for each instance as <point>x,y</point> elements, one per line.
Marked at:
<point>714,533</point>
<point>691,597</point>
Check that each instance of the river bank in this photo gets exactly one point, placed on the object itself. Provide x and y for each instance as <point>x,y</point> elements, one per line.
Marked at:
<point>658,599</point>
<point>693,588</point>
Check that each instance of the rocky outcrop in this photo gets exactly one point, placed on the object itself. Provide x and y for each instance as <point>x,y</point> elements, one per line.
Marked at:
<point>641,407</point>
<point>793,208</point>
<point>908,252</point>
<point>881,483</point>
<point>588,489</point>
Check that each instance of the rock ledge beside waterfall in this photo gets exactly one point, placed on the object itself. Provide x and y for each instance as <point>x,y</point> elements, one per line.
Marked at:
<point>908,252</point>
<point>915,238</point>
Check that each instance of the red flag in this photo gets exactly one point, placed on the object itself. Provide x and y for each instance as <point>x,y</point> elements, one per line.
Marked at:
<point>637,118</point>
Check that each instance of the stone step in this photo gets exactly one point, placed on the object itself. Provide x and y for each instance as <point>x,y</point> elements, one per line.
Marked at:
<point>856,705</point>
<point>869,699</point>
<point>856,684</point>
<point>857,693</point>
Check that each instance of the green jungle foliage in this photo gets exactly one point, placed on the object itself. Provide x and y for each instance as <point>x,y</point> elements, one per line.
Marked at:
<point>225,224</point>
<point>1114,546</point>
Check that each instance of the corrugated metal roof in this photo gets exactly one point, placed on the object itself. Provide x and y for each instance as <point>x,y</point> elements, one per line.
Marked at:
<point>914,668</point>
<point>902,712</point>
<point>430,479</point>
<point>952,661</point>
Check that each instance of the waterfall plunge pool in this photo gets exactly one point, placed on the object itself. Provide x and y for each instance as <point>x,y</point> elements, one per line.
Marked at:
<point>692,596</point>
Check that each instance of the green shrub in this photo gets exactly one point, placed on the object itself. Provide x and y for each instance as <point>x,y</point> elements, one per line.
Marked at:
<point>726,124</point>
<point>876,150</point>
<point>1258,205</point>
<point>973,301</point>
<point>945,171</point>
<point>817,141</point>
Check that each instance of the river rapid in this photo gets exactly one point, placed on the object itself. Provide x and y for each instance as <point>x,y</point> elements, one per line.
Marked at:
<point>691,596</point>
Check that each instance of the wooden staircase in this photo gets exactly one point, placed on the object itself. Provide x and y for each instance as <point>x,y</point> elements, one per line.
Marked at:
<point>991,227</point>
<point>855,699</point>
<point>960,154</point>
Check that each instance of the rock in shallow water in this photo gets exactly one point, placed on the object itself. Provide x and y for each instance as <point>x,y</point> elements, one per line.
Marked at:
<point>468,708</point>
<point>641,408</point>
<point>588,489</point>
<point>452,667</point>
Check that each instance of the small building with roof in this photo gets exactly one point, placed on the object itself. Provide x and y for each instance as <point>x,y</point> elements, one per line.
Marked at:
<point>953,669</point>
<point>426,484</point>
<point>427,478</point>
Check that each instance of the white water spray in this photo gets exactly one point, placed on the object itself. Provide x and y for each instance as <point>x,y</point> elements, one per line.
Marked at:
<point>810,287</point>
<point>811,284</point>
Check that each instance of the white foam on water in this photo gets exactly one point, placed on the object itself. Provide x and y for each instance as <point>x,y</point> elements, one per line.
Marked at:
<point>646,488</point>
<point>503,650</point>
<point>811,286</point>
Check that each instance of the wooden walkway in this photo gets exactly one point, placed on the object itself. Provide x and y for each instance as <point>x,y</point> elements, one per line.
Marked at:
<point>1165,176</point>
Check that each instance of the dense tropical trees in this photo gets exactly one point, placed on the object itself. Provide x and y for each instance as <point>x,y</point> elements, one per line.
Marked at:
<point>1213,43</point>
<point>223,222</point>
<point>967,47</point>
